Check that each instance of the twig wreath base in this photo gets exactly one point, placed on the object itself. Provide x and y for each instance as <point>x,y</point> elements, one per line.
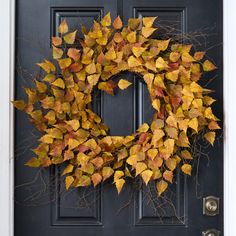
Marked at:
<point>60,105</point>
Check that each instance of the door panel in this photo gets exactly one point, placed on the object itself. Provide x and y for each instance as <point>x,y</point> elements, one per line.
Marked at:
<point>43,206</point>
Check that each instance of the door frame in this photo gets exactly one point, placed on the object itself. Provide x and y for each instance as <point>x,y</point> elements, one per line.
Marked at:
<point>7,67</point>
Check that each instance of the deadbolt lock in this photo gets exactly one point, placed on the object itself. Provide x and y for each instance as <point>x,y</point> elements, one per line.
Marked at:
<point>211,206</point>
<point>211,232</point>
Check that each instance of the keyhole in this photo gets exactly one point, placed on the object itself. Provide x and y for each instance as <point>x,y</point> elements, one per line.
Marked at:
<point>211,206</point>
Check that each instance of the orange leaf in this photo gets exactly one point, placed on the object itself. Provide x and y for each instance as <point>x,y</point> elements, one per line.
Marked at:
<point>117,24</point>
<point>56,41</point>
<point>96,179</point>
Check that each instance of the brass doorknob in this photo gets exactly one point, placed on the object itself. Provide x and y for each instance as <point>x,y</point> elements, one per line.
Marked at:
<point>211,206</point>
<point>211,232</point>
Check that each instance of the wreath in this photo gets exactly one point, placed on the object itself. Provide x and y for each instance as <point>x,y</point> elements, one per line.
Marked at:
<point>59,105</point>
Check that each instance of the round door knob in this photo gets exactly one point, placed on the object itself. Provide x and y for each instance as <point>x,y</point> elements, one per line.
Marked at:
<point>211,205</point>
<point>211,234</point>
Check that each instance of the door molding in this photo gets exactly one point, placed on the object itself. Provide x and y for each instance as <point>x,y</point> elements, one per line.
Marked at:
<point>7,67</point>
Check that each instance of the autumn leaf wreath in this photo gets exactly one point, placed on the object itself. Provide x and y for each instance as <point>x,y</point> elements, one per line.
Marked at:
<point>59,105</point>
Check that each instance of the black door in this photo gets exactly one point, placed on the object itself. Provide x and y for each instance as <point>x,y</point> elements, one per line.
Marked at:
<point>42,206</point>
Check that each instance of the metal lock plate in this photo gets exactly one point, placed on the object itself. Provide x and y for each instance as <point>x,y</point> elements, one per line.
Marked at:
<point>211,206</point>
<point>211,232</point>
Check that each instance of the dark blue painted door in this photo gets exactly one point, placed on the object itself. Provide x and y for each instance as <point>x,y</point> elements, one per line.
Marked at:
<point>42,206</point>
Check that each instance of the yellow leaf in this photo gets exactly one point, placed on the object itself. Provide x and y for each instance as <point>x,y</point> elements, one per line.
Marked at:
<point>156,104</point>
<point>93,79</point>
<point>131,37</point>
<point>171,163</point>
<point>134,23</point>
<point>193,123</point>
<point>209,114</point>
<point>33,162</point>
<point>143,128</point>
<point>123,84</point>
<point>118,174</point>
<point>69,180</point>
<point>148,21</point>
<point>106,20</point>
<point>174,56</point>
<point>73,143</point>
<point>117,24</point>
<point>152,153</point>
<point>137,51</point>
<point>186,168</point>
<point>56,52</point>
<point>208,66</point>
<point>70,37</point>
<point>208,100</point>
<point>173,75</point>
<point>107,172</point>
<point>169,144</point>
<point>96,179</point>
<point>46,139</point>
<point>147,31</point>
<point>146,176</point>
<point>119,184</point>
<point>133,62</point>
<point>160,63</point>
<point>91,68</point>
<point>19,104</point>
<point>42,88</point>
<point>74,124</point>
<point>161,186</point>
<point>186,57</point>
<point>183,140</point>
<point>84,180</point>
<point>171,120</point>
<point>132,160</point>
<point>64,63</point>
<point>163,44</point>
<point>68,169</point>
<point>63,27</point>
<point>210,137</point>
<point>111,54</point>
<point>59,83</point>
<point>195,88</point>
<point>140,167</point>
<point>157,135</point>
<point>47,66</point>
